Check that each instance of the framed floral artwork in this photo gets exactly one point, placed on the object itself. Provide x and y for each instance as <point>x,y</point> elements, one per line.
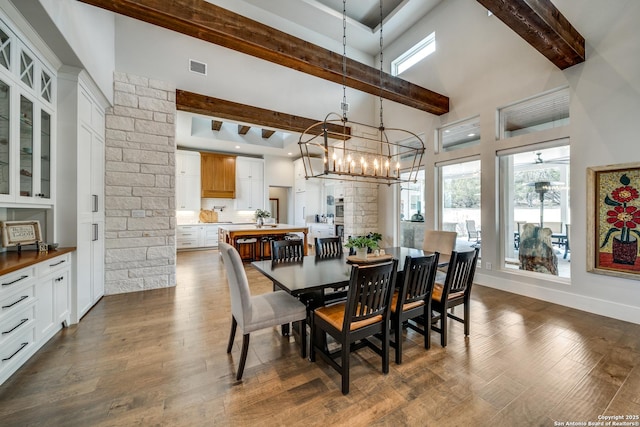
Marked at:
<point>613,220</point>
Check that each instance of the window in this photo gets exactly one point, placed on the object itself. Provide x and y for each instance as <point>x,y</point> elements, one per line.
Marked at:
<point>539,113</point>
<point>458,135</point>
<point>412,198</point>
<point>535,191</point>
<point>414,55</point>
<point>460,197</point>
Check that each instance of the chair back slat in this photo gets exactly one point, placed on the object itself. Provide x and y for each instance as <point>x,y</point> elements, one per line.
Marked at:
<point>329,247</point>
<point>369,292</point>
<point>287,250</point>
<point>460,272</point>
<point>420,274</point>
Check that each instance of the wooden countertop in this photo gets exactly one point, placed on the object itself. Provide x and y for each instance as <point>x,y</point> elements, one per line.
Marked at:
<point>12,261</point>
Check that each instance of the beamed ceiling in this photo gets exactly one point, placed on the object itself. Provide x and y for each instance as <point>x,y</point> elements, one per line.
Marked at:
<point>538,22</point>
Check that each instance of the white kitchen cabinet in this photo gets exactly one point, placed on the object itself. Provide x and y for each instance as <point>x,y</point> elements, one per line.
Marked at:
<point>249,184</point>
<point>320,230</point>
<point>193,236</point>
<point>27,123</point>
<point>188,180</point>
<point>188,236</point>
<point>81,171</point>
<point>210,235</point>
<point>35,304</point>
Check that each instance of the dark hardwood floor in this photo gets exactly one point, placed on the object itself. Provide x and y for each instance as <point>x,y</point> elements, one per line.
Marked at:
<point>159,358</point>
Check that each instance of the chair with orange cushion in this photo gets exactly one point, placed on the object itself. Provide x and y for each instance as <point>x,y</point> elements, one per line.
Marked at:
<point>365,313</point>
<point>455,290</point>
<point>413,300</point>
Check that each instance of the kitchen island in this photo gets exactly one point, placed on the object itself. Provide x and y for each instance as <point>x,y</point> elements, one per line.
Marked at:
<point>229,233</point>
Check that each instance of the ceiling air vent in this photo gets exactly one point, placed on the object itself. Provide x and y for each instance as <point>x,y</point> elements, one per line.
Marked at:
<point>198,67</point>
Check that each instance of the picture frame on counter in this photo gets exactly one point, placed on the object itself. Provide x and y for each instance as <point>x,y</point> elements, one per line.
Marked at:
<point>18,233</point>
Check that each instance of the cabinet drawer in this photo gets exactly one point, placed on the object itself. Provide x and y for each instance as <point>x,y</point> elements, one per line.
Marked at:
<point>186,243</point>
<point>14,325</point>
<point>53,264</point>
<point>14,352</point>
<point>16,301</point>
<point>17,280</point>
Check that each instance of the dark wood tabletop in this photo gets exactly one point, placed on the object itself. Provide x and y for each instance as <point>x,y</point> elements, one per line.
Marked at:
<point>314,273</point>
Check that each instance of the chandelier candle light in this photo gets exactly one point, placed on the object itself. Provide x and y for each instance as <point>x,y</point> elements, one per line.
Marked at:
<point>375,155</point>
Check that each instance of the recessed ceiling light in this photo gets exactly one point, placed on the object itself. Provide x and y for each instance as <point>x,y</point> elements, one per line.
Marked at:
<point>447,131</point>
<point>290,154</point>
<point>472,134</point>
<point>237,147</point>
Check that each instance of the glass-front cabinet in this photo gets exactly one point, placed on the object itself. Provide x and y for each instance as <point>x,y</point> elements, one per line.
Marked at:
<point>26,123</point>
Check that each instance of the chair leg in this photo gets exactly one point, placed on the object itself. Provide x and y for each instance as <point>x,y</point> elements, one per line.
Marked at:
<point>303,339</point>
<point>243,356</point>
<point>466,318</point>
<point>346,348</point>
<point>385,348</point>
<point>232,334</point>
<point>312,339</point>
<point>397,333</point>
<point>426,317</point>
<point>443,327</point>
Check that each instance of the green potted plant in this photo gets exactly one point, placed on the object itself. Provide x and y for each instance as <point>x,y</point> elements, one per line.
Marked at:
<point>260,216</point>
<point>362,245</point>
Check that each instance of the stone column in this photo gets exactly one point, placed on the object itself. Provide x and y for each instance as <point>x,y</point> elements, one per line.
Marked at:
<point>140,185</point>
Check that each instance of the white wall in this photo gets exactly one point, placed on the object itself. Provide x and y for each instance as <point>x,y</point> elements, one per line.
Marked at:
<point>481,65</point>
<point>90,32</point>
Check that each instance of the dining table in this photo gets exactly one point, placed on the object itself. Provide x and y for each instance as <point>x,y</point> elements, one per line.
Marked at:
<point>308,278</point>
<point>312,275</point>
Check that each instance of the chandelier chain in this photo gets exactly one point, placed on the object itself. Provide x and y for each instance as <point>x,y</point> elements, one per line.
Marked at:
<point>344,60</point>
<point>381,65</point>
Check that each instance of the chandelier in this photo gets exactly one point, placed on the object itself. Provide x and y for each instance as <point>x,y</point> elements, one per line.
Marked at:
<point>373,154</point>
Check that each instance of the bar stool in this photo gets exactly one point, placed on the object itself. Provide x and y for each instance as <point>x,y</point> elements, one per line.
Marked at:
<point>263,240</point>
<point>248,241</point>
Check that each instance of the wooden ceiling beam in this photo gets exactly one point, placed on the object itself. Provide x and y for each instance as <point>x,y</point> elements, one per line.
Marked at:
<point>242,129</point>
<point>216,125</point>
<point>266,133</point>
<point>223,109</point>
<point>542,25</point>
<point>205,21</point>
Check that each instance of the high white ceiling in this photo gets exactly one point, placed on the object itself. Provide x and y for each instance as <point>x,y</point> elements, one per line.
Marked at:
<point>301,18</point>
<point>319,22</point>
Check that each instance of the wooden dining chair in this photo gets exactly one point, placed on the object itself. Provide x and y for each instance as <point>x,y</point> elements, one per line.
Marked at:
<point>365,313</point>
<point>287,251</point>
<point>412,300</point>
<point>252,313</point>
<point>329,247</point>
<point>455,290</point>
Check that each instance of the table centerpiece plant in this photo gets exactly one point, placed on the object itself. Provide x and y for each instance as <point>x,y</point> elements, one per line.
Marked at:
<point>260,216</point>
<point>364,244</point>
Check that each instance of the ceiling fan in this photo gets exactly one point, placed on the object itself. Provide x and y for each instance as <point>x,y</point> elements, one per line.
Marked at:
<point>557,161</point>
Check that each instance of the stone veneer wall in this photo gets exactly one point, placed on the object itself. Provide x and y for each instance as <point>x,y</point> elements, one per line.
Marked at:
<point>360,200</point>
<point>140,186</point>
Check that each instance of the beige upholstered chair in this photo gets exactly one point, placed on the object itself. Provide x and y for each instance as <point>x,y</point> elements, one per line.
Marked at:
<point>442,242</point>
<point>439,241</point>
<point>257,312</point>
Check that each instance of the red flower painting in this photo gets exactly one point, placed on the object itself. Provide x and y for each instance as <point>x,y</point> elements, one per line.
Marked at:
<point>625,222</point>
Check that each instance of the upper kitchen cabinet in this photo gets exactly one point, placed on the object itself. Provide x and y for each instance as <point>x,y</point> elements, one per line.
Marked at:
<point>27,118</point>
<point>218,173</point>
<point>250,185</point>
<point>187,180</point>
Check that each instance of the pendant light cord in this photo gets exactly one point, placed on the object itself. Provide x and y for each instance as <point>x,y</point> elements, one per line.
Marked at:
<point>344,60</point>
<point>381,64</point>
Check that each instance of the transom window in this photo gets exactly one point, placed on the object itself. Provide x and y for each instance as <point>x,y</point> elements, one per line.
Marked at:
<point>417,53</point>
